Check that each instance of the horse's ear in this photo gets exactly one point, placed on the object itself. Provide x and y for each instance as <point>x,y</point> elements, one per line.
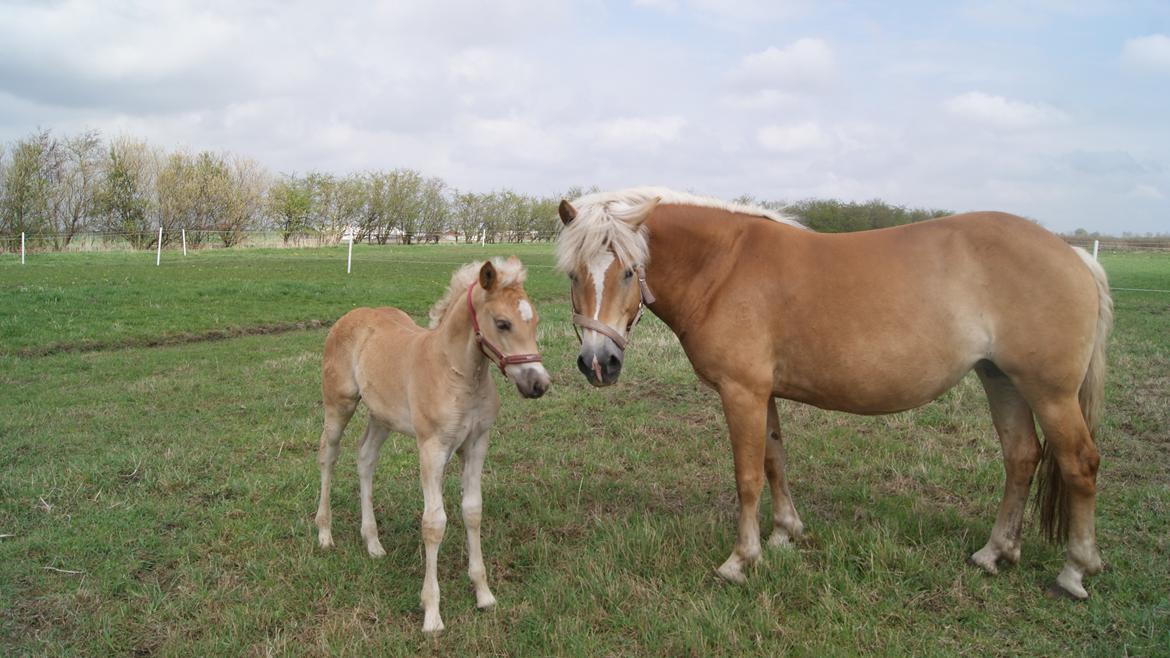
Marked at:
<point>567,212</point>
<point>644,212</point>
<point>487,275</point>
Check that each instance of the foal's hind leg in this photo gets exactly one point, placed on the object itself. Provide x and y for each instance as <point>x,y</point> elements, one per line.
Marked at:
<point>786,525</point>
<point>1021,451</point>
<point>337,415</point>
<point>368,449</point>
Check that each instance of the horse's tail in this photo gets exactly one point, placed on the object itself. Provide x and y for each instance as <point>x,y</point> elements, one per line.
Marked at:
<point>1051,496</point>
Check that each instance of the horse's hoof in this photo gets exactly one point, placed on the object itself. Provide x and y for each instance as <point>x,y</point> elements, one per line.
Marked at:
<point>985,562</point>
<point>732,573</point>
<point>486,603</point>
<point>375,550</point>
<point>325,540</point>
<point>779,540</point>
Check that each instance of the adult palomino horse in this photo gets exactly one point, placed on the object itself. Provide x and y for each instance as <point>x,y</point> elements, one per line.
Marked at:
<point>871,323</point>
<point>435,386</point>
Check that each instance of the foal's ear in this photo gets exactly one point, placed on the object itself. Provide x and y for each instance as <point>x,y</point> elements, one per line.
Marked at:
<point>487,275</point>
<point>567,212</point>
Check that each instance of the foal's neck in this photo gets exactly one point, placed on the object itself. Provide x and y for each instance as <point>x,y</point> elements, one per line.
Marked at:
<point>456,346</point>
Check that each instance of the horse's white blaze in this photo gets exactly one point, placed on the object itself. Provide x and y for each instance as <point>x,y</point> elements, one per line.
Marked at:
<point>597,270</point>
<point>525,310</point>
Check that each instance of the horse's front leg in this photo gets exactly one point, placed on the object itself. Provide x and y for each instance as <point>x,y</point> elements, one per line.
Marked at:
<point>433,455</point>
<point>473,454</point>
<point>746,416</point>
<point>786,525</point>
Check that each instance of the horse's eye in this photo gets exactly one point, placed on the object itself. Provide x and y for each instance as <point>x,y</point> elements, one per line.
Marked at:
<point>573,277</point>
<point>503,325</point>
<point>629,274</point>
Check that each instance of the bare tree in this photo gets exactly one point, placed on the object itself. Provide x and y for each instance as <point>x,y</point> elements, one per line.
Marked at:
<point>77,188</point>
<point>289,203</point>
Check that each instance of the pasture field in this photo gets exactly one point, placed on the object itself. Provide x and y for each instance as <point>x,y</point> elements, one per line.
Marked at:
<point>157,487</point>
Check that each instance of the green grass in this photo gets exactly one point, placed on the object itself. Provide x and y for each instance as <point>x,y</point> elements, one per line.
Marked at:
<point>180,483</point>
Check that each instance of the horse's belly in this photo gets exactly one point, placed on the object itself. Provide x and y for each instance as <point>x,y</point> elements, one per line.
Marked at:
<point>866,387</point>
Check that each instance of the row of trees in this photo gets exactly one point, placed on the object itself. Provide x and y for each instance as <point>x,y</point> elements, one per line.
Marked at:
<point>59,187</point>
<point>56,188</point>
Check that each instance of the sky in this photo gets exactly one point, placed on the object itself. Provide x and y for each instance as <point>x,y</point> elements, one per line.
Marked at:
<point>1055,110</point>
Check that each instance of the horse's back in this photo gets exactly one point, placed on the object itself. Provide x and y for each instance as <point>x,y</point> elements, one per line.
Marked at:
<point>883,320</point>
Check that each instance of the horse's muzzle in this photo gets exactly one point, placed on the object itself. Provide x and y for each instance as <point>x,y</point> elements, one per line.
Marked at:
<point>601,367</point>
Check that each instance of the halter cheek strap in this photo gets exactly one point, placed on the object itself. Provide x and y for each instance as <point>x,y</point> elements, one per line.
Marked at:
<point>489,350</point>
<point>621,341</point>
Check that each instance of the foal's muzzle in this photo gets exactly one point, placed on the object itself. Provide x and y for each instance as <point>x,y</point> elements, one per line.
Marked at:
<point>532,380</point>
<point>601,365</point>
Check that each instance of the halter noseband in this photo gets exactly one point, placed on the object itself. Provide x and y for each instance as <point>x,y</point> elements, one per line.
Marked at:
<point>586,322</point>
<point>489,350</point>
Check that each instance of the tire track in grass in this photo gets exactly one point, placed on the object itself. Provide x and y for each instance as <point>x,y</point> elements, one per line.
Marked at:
<point>167,340</point>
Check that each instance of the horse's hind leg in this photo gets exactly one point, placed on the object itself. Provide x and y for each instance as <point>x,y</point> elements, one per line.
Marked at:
<point>1071,445</point>
<point>1021,451</point>
<point>368,449</point>
<point>786,525</point>
<point>337,414</point>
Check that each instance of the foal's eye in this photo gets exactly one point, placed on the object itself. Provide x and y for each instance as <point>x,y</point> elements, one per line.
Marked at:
<point>629,274</point>
<point>573,277</point>
<point>503,325</point>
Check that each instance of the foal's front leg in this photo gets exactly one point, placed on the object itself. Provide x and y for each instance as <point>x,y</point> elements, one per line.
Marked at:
<point>432,456</point>
<point>746,418</point>
<point>473,454</point>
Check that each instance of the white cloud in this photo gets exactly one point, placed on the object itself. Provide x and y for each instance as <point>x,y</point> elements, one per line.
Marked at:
<point>1146,191</point>
<point>792,138</point>
<point>1000,112</point>
<point>1150,53</point>
<point>805,65</point>
<point>639,133</point>
<point>667,6</point>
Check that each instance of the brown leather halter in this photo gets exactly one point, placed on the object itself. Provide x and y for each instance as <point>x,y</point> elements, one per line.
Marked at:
<point>489,350</point>
<point>621,341</point>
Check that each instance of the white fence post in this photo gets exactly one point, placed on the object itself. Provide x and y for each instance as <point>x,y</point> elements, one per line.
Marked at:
<point>158,255</point>
<point>22,247</point>
<point>349,257</point>
<point>1096,245</point>
<point>184,241</point>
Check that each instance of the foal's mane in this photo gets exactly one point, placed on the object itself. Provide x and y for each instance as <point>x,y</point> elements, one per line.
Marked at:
<point>509,272</point>
<point>604,221</point>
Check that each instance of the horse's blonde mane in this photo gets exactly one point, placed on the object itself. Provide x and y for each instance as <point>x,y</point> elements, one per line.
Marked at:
<point>509,272</point>
<point>604,220</point>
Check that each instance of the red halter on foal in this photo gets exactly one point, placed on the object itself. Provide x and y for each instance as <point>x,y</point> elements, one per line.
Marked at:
<point>491,351</point>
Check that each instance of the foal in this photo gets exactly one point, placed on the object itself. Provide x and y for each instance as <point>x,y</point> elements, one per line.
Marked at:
<point>434,385</point>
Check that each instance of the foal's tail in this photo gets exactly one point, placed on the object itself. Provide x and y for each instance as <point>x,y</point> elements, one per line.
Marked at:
<point>1051,496</point>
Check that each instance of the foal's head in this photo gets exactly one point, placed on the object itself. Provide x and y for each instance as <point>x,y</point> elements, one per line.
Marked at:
<point>602,253</point>
<point>508,321</point>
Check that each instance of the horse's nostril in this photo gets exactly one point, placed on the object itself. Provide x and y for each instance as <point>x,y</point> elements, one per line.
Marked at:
<point>614,361</point>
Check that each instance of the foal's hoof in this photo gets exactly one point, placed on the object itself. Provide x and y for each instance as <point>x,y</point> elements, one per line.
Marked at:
<point>375,550</point>
<point>486,603</point>
<point>780,541</point>
<point>1058,591</point>
<point>325,539</point>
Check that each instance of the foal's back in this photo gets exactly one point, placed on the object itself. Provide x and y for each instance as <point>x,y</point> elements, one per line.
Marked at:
<point>370,345</point>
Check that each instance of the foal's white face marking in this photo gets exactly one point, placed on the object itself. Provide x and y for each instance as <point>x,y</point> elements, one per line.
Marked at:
<point>525,310</point>
<point>597,271</point>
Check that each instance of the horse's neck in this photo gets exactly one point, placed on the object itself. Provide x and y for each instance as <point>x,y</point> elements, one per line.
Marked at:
<point>688,261</point>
